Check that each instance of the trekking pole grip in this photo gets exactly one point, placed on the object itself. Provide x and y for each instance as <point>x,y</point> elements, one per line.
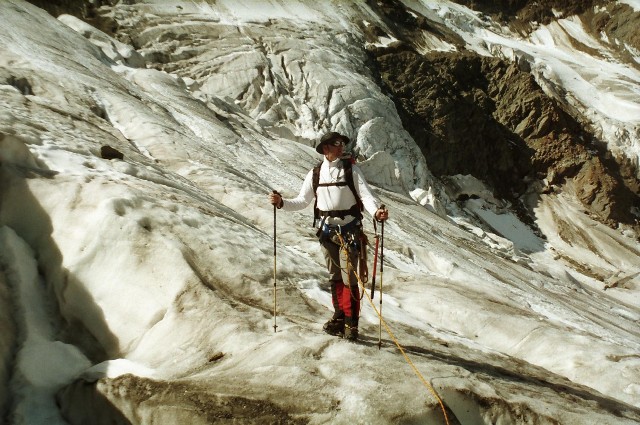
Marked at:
<point>382,207</point>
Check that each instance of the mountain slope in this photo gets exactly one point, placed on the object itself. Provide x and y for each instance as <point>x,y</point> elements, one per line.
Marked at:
<point>142,275</point>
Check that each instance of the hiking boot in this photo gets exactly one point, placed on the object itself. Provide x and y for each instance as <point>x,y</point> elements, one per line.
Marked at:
<point>351,333</point>
<point>334,327</point>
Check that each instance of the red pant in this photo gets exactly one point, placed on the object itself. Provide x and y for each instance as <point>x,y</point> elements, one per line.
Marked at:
<point>345,298</point>
<point>346,302</point>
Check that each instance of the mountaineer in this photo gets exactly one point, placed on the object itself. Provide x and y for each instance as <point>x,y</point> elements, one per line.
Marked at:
<point>341,193</point>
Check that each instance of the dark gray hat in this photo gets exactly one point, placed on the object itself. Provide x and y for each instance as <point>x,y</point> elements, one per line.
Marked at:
<point>329,137</point>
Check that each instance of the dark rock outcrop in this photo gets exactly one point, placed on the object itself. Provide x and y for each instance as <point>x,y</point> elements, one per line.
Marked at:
<point>620,23</point>
<point>523,11</point>
<point>130,399</point>
<point>85,10</point>
<point>486,117</point>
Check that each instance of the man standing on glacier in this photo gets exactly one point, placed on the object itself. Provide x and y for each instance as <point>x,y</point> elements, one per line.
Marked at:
<point>341,193</point>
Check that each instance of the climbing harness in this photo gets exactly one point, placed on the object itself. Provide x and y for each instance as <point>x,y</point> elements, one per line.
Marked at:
<point>352,236</point>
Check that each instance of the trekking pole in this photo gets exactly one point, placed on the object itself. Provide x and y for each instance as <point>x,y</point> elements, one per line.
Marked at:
<point>381,274</point>
<point>275,296</point>
<point>375,260</point>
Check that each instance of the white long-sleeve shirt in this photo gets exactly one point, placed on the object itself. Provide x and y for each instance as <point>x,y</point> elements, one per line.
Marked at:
<point>334,198</point>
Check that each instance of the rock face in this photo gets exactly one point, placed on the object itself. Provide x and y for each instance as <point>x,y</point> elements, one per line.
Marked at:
<point>85,10</point>
<point>447,108</point>
<point>524,12</point>
<point>479,115</point>
<point>485,117</point>
<point>130,400</point>
<point>618,21</point>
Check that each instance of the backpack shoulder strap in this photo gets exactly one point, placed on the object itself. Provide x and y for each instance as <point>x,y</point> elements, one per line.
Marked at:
<point>348,175</point>
<point>315,181</point>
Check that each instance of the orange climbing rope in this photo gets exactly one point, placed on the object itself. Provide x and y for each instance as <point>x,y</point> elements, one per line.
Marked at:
<point>344,247</point>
